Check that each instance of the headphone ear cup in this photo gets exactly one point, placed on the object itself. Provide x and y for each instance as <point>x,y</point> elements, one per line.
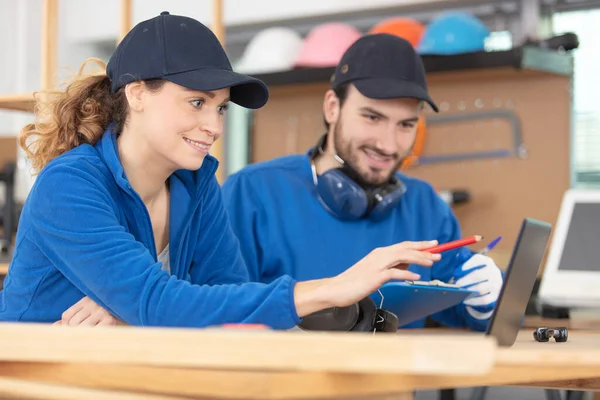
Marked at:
<point>386,321</point>
<point>386,198</point>
<point>371,318</point>
<point>367,311</point>
<point>341,195</point>
<point>418,146</point>
<point>331,319</point>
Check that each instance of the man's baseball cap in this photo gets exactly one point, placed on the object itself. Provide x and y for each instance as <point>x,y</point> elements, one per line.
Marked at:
<point>383,66</point>
<point>183,51</point>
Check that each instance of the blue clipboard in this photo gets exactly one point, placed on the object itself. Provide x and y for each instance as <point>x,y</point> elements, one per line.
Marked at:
<point>415,300</point>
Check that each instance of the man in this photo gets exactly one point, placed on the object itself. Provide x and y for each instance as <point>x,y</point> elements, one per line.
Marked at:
<point>314,215</point>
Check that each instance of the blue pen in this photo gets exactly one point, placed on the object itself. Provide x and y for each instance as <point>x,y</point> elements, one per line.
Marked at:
<point>490,246</point>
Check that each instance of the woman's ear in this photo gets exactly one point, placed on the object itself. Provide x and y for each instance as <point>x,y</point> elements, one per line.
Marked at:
<point>135,95</point>
<point>331,107</point>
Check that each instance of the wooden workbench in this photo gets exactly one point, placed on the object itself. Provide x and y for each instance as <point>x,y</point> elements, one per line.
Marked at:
<point>49,362</point>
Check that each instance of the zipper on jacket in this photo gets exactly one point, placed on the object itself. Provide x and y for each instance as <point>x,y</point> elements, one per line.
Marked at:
<point>149,230</point>
<point>189,221</point>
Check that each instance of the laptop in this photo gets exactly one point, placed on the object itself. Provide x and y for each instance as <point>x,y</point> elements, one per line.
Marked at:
<point>519,279</point>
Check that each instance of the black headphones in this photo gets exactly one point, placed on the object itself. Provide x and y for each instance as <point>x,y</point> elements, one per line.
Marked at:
<point>342,195</point>
<point>363,316</point>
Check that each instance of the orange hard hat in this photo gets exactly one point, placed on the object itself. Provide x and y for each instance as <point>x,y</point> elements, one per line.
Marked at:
<point>406,28</point>
<point>417,149</point>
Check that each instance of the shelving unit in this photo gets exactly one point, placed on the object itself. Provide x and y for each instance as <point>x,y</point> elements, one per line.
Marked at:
<point>17,102</point>
<point>523,58</point>
<point>49,49</point>
<point>49,60</point>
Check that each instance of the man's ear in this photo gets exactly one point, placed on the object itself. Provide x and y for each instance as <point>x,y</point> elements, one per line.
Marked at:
<point>331,107</point>
<point>135,95</point>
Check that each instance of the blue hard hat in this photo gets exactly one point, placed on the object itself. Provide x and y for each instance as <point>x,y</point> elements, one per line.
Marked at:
<point>453,33</point>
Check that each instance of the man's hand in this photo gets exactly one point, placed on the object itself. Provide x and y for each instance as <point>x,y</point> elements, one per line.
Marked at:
<point>479,273</point>
<point>87,313</point>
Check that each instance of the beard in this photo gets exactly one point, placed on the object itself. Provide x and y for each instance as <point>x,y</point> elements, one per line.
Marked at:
<point>366,176</point>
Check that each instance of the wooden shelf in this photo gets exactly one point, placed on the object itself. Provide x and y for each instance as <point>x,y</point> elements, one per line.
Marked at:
<point>525,57</point>
<point>17,102</point>
<point>49,54</point>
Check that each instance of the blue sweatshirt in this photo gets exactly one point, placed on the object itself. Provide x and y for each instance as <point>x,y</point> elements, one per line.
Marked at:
<point>85,232</point>
<point>284,229</point>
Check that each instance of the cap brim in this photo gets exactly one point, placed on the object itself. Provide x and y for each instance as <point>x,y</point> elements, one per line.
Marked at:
<point>245,90</point>
<point>382,88</point>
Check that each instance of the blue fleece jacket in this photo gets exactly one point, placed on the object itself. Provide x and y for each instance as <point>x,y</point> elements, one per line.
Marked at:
<point>85,232</point>
<point>284,229</point>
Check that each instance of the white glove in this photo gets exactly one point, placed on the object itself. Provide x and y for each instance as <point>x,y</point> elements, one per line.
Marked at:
<point>482,275</point>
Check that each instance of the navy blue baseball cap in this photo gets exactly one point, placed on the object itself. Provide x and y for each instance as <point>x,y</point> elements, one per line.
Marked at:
<point>383,66</point>
<point>184,51</point>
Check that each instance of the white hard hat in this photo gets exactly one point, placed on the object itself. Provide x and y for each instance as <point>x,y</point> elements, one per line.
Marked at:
<point>271,50</point>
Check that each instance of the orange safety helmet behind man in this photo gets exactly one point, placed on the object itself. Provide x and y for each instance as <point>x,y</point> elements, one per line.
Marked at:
<point>404,27</point>
<point>325,44</point>
<point>413,157</point>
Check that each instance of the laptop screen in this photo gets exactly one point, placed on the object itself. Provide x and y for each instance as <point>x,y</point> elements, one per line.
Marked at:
<point>519,280</point>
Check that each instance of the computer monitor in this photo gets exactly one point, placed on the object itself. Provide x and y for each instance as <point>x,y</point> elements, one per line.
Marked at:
<point>519,279</point>
<point>572,274</point>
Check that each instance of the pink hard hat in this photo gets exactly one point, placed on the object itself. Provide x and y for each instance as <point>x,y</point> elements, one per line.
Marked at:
<point>325,45</point>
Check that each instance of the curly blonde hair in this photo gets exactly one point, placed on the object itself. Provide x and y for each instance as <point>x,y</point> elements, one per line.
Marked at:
<point>78,115</point>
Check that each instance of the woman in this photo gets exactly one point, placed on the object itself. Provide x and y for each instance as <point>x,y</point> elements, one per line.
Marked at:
<point>125,219</point>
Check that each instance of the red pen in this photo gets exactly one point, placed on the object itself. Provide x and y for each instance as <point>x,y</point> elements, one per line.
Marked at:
<point>454,244</point>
